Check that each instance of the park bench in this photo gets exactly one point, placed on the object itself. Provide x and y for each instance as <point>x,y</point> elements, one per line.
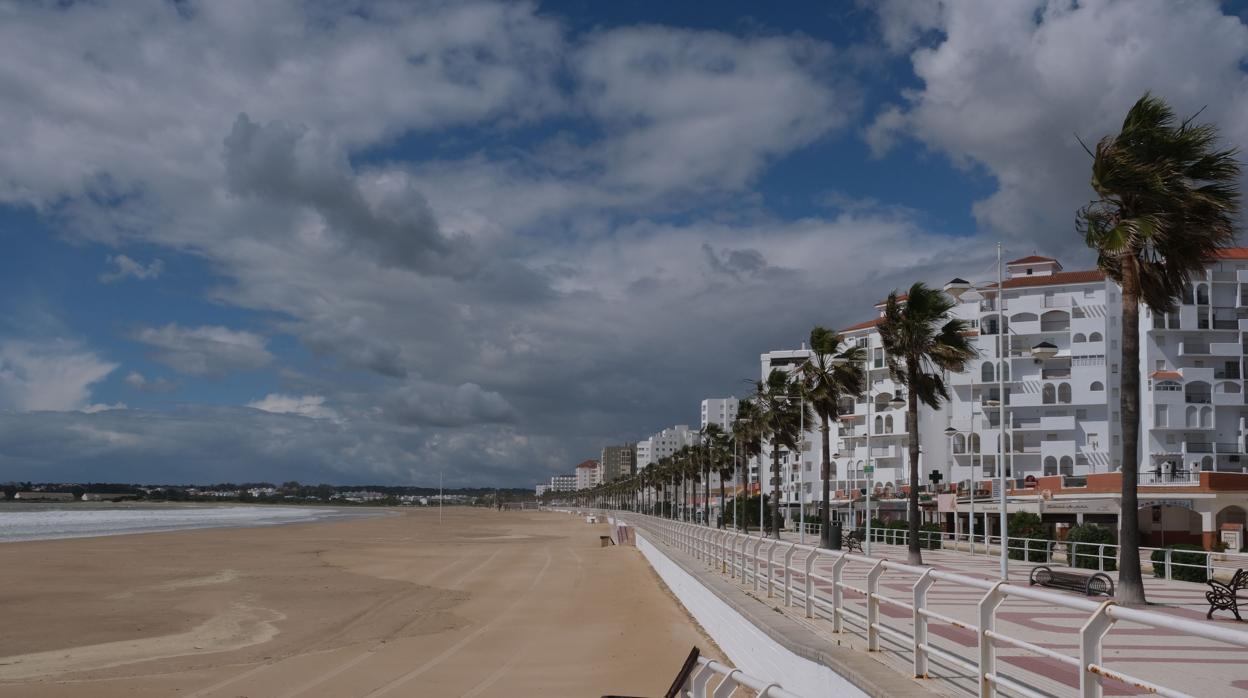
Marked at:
<point>1088,584</point>
<point>852,544</point>
<point>1226,596</point>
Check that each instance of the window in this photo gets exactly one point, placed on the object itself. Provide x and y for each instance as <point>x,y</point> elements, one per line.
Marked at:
<point>1094,441</point>
<point>1096,386</point>
<point>1081,414</point>
<point>1113,368</point>
<point>1159,365</point>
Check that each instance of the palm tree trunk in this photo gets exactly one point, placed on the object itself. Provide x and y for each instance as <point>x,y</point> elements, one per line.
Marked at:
<point>1130,588</point>
<point>706,497</point>
<point>825,472</point>
<point>723,514</point>
<point>914,554</point>
<point>775,489</point>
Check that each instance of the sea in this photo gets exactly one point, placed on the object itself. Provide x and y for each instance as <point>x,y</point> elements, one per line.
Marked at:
<point>19,522</point>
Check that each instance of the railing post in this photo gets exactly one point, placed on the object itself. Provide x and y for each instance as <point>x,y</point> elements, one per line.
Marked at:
<point>770,552</point>
<point>987,652</point>
<point>873,606</point>
<point>745,540</point>
<point>788,575</point>
<point>1048,552</point>
<point>758,562</point>
<point>810,586</point>
<point>698,682</point>
<point>837,568</point>
<point>1208,564</point>
<point>1090,637</point>
<point>1026,550</point>
<point>1169,563</point>
<point>1100,558</point>
<point>919,602</point>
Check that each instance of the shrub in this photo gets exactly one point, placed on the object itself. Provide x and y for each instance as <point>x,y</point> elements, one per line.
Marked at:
<point>1085,556</point>
<point>931,542</point>
<point>1196,573</point>
<point>1028,525</point>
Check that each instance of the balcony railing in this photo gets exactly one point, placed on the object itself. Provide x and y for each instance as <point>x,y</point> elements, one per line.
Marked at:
<point>1228,447</point>
<point>1054,326</point>
<point>1180,477</point>
<point>1052,373</point>
<point>1196,447</point>
<point>1199,398</point>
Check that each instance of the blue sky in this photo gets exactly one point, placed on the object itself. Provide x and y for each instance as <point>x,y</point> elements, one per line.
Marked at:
<point>374,242</point>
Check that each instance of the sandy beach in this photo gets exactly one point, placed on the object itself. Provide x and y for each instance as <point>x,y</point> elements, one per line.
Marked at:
<point>485,603</point>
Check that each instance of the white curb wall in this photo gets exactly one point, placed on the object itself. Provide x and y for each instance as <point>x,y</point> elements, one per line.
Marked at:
<point>747,647</point>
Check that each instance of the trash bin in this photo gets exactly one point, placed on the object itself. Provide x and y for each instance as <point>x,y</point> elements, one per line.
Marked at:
<point>834,535</point>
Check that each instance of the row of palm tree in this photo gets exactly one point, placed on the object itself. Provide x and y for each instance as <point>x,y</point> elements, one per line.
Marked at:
<point>1167,200</point>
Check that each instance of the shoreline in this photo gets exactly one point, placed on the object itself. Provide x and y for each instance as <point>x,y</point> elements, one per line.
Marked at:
<point>36,521</point>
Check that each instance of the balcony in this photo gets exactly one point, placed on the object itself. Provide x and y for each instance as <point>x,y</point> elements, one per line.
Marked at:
<point>1228,447</point>
<point>1197,447</point>
<point>1188,478</point>
<point>1055,373</point>
<point>1198,398</point>
<point>1193,349</point>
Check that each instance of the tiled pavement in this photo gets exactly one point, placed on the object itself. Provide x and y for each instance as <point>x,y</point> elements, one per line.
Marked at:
<point>1194,666</point>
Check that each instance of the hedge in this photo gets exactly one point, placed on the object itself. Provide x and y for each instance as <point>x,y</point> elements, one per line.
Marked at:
<point>1028,525</point>
<point>1085,556</point>
<point>1181,560</point>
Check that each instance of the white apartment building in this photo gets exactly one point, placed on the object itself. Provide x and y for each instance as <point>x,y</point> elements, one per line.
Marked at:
<point>664,444</point>
<point>719,411</point>
<point>1053,338</point>
<point>799,472</point>
<point>588,474</point>
<point>563,483</point>
<point>1193,407</point>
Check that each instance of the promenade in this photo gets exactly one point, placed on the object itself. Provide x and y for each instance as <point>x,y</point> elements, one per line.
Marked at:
<point>1191,665</point>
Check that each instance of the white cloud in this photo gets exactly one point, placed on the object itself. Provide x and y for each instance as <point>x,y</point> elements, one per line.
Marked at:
<point>1008,85</point>
<point>689,110</point>
<point>124,267</point>
<point>144,384</point>
<point>209,350</point>
<point>50,375</point>
<point>304,405</point>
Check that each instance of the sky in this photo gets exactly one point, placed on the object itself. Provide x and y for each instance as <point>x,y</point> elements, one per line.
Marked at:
<point>375,242</point>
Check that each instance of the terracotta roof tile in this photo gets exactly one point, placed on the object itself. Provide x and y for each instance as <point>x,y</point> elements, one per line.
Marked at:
<point>591,463</point>
<point>1061,277</point>
<point>1233,253</point>
<point>1032,259</point>
<point>864,325</point>
<point>1166,375</point>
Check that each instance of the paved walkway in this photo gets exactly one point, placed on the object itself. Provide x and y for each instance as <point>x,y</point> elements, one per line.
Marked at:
<point>1195,666</point>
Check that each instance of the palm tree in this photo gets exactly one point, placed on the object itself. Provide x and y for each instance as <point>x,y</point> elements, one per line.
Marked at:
<point>921,341</point>
<point>1167,202</point>
<point>782,416</point>
<point>748,431</point>
<point>725,465</point>
<point>833,371</point>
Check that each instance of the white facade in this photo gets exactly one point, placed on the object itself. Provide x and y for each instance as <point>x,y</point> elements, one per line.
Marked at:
<point>563,483</point>
<point>588,474</point>
<point>664,444</point>
<point>719,411</point>
<point>1193,406</point>
<point>799,473</point>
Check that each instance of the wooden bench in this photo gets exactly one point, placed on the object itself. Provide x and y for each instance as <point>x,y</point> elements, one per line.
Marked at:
<point>852,544</point>
<point>1088,584</point>
<point>1225,597</point>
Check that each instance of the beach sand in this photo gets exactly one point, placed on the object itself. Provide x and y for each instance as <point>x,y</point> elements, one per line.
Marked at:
<point>484,604</point>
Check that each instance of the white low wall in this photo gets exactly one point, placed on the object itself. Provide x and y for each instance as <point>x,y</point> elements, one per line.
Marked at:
<point>747,647</point>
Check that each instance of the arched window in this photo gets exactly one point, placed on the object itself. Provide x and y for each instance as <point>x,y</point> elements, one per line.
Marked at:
<point>1206,417</point>
<point>1202,295</point>
<point>1005,370</point>
<point>1096,386</point>
<point>985,372</point>
<point>974,440</point>
<point>1024,317</point>
<point>1095,337</point>
<point>1229,387</point>
<point>1048,395</point>
<point>1063,393</point>
<point>959,443</point>
<point>888,424</point>
<point>1187,296</point>
<point>1193,416</point>
<point>1198,392</point>
<point>879,424</point>
<point>1055,321</point>
<point>1067,466</point>
<point>1050,465</point>
<point>1079,338</point>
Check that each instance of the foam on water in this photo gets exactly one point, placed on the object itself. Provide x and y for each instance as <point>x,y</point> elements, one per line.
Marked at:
<point>75,521</point>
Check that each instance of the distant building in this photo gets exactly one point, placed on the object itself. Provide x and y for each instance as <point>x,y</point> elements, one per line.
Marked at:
<point>44,496</point>
<point>541,489</point>
<point>587,474</point>
<point>563,483</point>
<point>664,444</point>
<point>719,411</point>
<point>618,462</point>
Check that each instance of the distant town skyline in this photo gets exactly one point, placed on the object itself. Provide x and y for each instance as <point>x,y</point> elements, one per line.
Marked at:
<point>286,241</point>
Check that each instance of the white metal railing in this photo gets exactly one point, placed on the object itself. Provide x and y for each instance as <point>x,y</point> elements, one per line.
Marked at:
<point>702,682</point>
<point>787,570</point>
